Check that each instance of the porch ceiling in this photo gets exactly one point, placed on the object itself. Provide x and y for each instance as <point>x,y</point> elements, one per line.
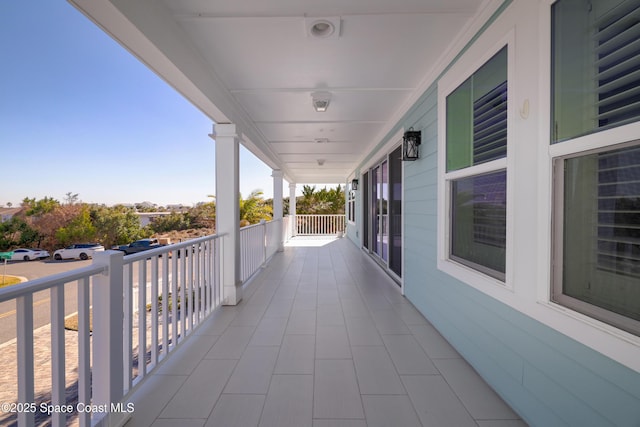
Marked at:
<point>253,63</point>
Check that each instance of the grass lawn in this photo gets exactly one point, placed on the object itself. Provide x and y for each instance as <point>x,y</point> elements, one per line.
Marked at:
<point>71,322</point>
<point>8,280</point>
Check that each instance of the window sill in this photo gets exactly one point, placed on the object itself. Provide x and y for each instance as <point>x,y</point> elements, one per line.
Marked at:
<point>472,277</point>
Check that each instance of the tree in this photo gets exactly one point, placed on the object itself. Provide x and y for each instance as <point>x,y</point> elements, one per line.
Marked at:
<point>173,221</point>
<point>79,229</point>
<point>321,202</point>
<point>254,208</point>
<point>117,225</point>
<point>16,232</point>
<point>46,216</point>
<point>39,207</point>
<point>71,198</point>
<point>203,215</point>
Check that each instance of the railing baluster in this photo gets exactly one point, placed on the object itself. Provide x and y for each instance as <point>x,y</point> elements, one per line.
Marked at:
<point>24,313</point>
<point>174,298</point>
<point>84,350</point>
<point>142,319</point>
<point>218,272</point>
<point>183,302</point>
<point>57,354</point>
<point>209,277</point>
<point>165,304</point>
<point>197,285</point>
<point>127,335</point>
<point>154,310</point>
<point>189,290</point>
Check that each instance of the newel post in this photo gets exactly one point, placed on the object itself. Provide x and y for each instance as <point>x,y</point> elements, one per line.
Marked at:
<point>107,306</point>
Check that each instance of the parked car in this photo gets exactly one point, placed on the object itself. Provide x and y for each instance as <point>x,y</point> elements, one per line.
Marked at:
<point>139,246</point>
<point>78,250</point>
<point>22,254</point>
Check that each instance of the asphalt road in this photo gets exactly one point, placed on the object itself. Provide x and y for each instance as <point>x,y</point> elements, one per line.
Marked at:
<point>41,300</point>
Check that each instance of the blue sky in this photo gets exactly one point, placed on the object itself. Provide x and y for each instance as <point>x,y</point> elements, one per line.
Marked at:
<point>79,114</point>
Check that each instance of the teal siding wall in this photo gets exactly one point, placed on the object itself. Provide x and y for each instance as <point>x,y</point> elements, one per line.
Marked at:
<point>547,377</point>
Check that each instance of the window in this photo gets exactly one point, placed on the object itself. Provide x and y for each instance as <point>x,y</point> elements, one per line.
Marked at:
<point>476,150</point>
<point>599,236</point>
<point>477,116</point>
<point>596,89</point>
<point>596,66</point>
<point>478,235</point>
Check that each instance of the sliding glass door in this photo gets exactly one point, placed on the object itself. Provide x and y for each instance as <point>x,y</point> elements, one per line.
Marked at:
<point>395,211</point>
<point>366,230</point>
<point>382,198</point>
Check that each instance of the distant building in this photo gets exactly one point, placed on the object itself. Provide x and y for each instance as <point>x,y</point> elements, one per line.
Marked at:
<point>147,218</point>
<point>179,207</point>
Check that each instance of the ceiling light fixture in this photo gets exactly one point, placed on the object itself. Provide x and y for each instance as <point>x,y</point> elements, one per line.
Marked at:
<point>321,101</point>
<point>323,27</point>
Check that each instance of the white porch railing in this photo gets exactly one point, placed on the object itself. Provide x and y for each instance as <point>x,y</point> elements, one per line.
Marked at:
<point>307,225</point>
<point>287,228</point>
<point>258,243</point>
<point>181,288</point>
<point>142,306</point>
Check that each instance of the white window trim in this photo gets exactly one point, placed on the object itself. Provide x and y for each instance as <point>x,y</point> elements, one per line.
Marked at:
<point>468,64</point>
<point>530,295</point>
<point>606,339</point>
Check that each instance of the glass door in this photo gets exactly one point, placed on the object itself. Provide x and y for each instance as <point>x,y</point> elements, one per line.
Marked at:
<point>395,211</point>
<point>379,210</point>
<point>382,201</point>
<point>384,211</point>
<point>375,209</point>
<point>367,210</point>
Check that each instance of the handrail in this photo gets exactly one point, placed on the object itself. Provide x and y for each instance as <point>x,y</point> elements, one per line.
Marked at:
<point>44,283</point>
<point>172,247</point>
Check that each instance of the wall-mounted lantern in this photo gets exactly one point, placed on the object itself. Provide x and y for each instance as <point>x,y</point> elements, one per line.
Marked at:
<point>354,184</point>
<point>410,143</point>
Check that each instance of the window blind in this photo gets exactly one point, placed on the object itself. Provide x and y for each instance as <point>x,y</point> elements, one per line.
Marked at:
<point>618,248</point>
<point>617,41</point>
<point>490,125</point>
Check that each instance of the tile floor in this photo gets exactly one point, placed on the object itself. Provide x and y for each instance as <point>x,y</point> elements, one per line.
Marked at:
<point>322,338</point>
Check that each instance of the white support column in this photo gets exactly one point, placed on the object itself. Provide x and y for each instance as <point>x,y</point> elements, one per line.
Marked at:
<point>292,209</point>
<point>277,206</point>
<point>227,209</point>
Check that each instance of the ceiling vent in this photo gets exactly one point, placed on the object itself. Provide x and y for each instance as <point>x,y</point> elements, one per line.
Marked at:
<point>323,28</point>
